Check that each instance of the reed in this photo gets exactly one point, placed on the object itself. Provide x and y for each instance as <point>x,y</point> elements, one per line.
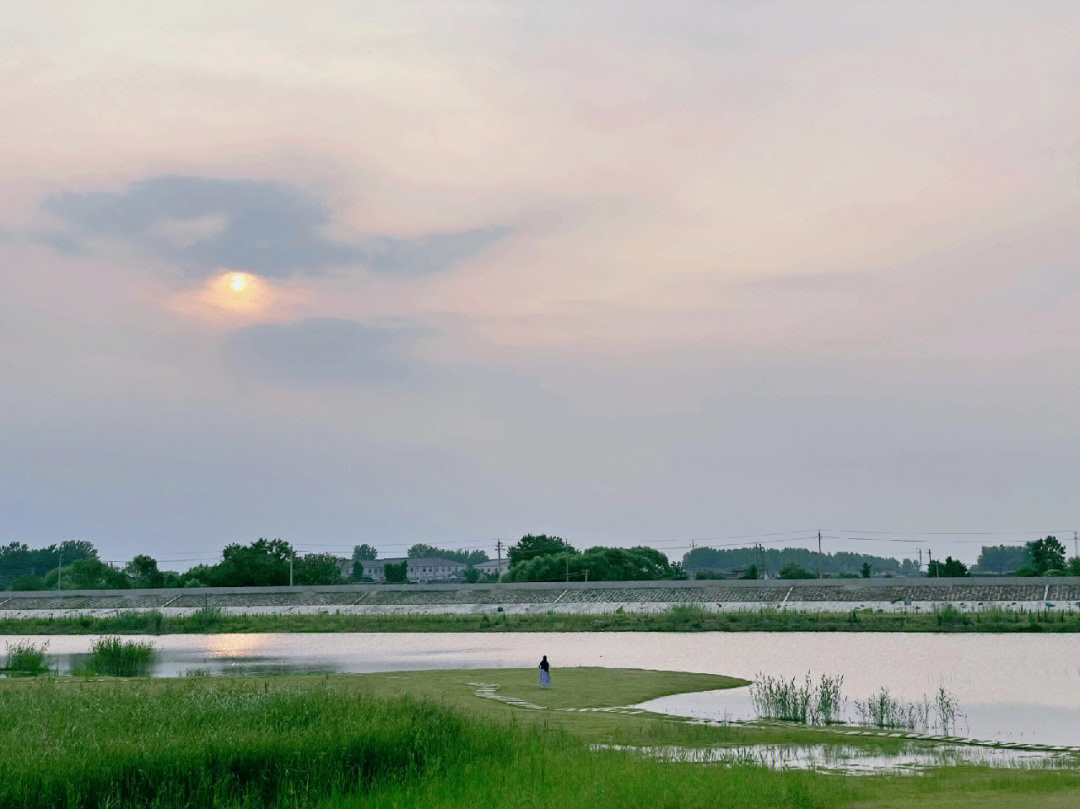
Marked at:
<point>807,703</point>
<point>823,703</point>
<point>883,710</point>
<point>115,657</point>
<point>26,659</point>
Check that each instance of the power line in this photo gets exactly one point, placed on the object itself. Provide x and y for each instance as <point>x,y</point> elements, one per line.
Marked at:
<point>948,533</point>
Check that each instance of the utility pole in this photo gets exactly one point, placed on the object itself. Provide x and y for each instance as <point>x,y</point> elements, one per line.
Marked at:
<point>920,560</point>
<point>1076,544</point>
<point>498,555</point>
<point>819,553</point>
<point>291,557</point>
<point>59,570</point>
<point>930,557</point>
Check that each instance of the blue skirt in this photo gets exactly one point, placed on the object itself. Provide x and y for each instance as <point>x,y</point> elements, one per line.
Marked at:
<point>545,678</point>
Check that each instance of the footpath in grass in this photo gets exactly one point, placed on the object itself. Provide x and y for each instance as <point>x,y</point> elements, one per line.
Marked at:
<point>674,619</point>
<point>418,739</point>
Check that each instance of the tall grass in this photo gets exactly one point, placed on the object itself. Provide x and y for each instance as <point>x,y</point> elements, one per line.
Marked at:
<point>276,744</point>
<point>115,657</point>
<point>205,619</point>
<point>883,710</point>
<point>99,746</point>
<point>302,743</point>
<point>823,702</point>
<point>808,703</point>
<point>683,618</point>
<point>26,658</point>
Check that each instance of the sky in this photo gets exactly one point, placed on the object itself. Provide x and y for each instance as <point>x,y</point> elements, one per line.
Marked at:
<point>624,272</point>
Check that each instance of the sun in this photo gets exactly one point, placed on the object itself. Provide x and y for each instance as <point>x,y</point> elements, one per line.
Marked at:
<point>237,292</point>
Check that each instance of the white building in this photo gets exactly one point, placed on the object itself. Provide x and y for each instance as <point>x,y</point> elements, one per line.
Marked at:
<point>420,568</point>
<point>493,567</point>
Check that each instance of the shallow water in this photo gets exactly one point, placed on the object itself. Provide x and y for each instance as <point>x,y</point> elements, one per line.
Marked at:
<point>1013,688</point>
<point>854,760</point>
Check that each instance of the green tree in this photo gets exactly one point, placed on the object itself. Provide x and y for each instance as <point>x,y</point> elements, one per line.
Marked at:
<point>198,576</point>
<point>467,558</point>
<point>143,572</point>
<point>396,573</point>
<point>317,568</point>
<point>597,564</point>
<point>88,574</point>
<point>719,560</point>
<point>531,546</point>
<point>1003,559</point>
<point>1046,555</point>
<point>362,553</point>
<point>18,560</point>
<point>865,570</point>
<point>793,571</point>
<point>28,581</point>
<point>263,563</point>
<point>750,573</point>
<point>950,568</point>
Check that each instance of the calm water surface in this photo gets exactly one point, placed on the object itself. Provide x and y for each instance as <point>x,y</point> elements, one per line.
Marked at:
<point>1013,688</point>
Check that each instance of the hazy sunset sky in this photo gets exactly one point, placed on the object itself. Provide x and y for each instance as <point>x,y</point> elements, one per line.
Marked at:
<point>624,272</point>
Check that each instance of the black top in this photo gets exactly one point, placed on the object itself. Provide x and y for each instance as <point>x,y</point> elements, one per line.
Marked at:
<point>544,664</point>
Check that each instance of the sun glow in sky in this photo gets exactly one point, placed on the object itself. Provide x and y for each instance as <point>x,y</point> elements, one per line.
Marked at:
<point>626,272</point>
<point>239,282</point>
<point>237,292</point>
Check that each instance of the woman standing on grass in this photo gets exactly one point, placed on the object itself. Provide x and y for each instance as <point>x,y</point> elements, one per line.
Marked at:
<point>545,673</point>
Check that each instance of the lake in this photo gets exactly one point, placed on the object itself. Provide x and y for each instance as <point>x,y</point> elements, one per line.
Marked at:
<point>1012,688</point>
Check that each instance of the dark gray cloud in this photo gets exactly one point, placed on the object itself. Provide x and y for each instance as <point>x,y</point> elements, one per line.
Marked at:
<point>264,227</point>
<point>325,351</point>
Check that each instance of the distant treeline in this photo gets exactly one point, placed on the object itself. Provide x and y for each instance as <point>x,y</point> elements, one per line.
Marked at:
<point>264,563</point>
<point>539,557</point>
<point>773,560</point>
<point>75,565</point>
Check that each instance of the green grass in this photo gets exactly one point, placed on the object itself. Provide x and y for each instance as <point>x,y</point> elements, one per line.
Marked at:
<point>26,659</point>
<point>416,739</point>
<point>588,687</point>
<point>210,743</point>
<point>675,619</point>
<point>115,657</point>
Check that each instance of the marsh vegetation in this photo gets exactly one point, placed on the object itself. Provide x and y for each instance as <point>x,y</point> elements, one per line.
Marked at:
<point>115,657</point>
<point>883,710</point>
<point>823,703</point>
<point>421,739</point>
<point>808,702</point>
<point>682,618</point>
<point>25,658</point>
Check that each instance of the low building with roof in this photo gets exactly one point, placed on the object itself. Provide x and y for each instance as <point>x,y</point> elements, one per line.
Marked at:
<point>419,568</point>
<point>493,567</point>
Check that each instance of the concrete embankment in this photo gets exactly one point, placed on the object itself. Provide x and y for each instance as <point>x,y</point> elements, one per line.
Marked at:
<point>811,595</point>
